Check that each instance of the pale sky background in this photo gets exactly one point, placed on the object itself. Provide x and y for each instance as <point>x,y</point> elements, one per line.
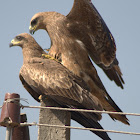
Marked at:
<point>123,20</point>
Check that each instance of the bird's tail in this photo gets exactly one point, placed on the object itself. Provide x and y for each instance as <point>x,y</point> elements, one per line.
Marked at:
<point>89,123</point>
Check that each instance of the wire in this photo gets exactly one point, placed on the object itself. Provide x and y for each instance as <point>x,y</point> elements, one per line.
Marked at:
<point>14,100</point>
<point>71,127</point>
<point>82,110</point>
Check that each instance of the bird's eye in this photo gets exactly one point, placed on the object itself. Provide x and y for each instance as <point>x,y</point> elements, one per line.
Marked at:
<point>34,22</point>
<point>19,38</point>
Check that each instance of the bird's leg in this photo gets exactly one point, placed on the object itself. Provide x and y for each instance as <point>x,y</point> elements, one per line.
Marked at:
<point>49,57</point>
<point>47,49</point>
<point>40,98</point>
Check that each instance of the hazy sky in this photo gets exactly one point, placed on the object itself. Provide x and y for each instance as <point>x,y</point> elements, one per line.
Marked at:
<point>123,20</point>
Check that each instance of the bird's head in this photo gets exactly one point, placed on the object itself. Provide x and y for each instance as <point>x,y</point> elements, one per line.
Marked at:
<point>30,48</point>
<point>21,40</point>
<point>42,20</point>
<point>36,22</point>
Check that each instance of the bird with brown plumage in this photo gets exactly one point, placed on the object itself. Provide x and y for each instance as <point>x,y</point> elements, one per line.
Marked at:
<point>47,77</point>
<point>76,36</point>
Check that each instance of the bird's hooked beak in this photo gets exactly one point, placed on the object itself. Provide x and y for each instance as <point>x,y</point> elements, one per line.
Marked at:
<point>13,43</point>
<point>32,29</point>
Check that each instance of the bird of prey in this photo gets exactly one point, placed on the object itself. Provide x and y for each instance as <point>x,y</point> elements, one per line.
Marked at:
<point>47,77</point>
<point>71,40</point>
<point>85,25</point>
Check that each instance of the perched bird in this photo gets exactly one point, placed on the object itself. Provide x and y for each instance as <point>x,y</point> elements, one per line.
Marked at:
<point>72,38</point>
<point>47,77</point>
<point>85,26</point>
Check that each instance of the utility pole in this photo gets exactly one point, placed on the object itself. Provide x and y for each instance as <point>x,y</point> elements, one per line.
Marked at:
<point>53,117</point>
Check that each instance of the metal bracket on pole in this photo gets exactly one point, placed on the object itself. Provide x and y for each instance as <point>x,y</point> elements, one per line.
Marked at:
<point>21,132</point>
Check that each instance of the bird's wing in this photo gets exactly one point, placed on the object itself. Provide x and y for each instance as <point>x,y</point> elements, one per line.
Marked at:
<point>52,79</point>
<point>95,30</point>
<point>114,74</point>
<point>33,93</point>
<point>95,35</point>
<point>86,119</point>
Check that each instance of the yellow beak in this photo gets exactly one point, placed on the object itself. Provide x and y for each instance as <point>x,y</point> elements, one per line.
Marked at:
<point>32,29</point>
<point>14,43</point>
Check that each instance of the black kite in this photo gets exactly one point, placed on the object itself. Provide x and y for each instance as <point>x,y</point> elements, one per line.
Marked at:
<point>47,77</point>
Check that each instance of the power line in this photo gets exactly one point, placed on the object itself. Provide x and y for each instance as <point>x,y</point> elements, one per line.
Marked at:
<point>83,110</point>
<point>71,127</point>
<point>80,110</point>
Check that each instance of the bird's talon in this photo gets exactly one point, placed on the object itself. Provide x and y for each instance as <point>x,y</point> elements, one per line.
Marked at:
<point>47,49</point>
<point>40,97</point>
<point>49,57</point>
